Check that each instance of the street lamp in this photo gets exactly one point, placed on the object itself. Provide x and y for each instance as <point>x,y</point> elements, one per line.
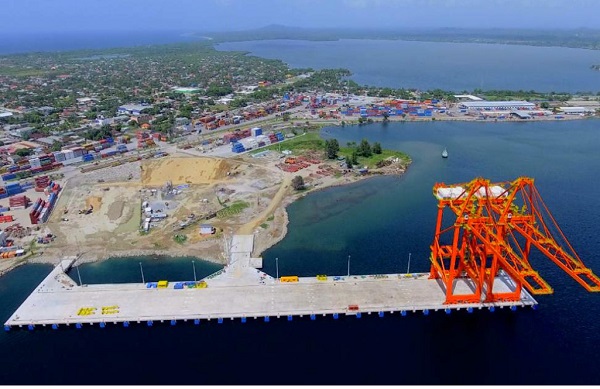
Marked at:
<point>194,267</point>
<point>142,271</point>
<point>408,268</point>
<point>348,266</point>
<point>277,267</point>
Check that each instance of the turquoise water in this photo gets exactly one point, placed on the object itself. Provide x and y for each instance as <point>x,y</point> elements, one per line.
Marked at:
<point>448,66</point>
<point>377,222</point>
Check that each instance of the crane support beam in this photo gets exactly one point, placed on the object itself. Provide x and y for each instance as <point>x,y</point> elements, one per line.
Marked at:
<point>492,229</point>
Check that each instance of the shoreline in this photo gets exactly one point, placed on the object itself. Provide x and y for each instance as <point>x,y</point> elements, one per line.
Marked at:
<point>264,238</point>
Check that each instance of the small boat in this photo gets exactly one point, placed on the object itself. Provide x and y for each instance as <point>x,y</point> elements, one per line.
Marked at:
<point>445,153</point>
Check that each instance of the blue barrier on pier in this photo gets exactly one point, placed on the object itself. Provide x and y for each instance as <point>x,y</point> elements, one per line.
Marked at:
<point>243,319</point>
<point>54,326</point>
<point>78,326</point>
<point>492,309</point>
<point>313,317</point>
<point>149,323</point>
<point>220,321</point>
<point>513,308</point>
<point>30,327</point>
<point>289,317</point>
<point>196,321</point>
<point>470,310</point>
<point>448,311</point>
<point>125,324</point>
<point>267,318</point>
<point>426,312</point>
<point>102,324</point>
<point>358,315</point>
<point>403,313</point>
<point>173,322</point>
<point>381,314</point>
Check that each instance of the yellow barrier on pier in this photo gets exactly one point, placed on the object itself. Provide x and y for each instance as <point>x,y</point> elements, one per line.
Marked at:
<point>162,284</point>
<point>289,279</point>
<point>321,277</point>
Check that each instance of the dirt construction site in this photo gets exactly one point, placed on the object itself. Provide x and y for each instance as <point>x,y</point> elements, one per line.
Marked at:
<point>179,206</point>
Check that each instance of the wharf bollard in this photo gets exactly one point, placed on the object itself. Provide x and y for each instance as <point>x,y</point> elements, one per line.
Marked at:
<point>196,321</point>
<point>403,313</point>
<point>448,311</point>
<point>267,319</point>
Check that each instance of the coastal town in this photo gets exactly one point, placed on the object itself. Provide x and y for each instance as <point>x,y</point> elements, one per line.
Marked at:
<point>168,150</point>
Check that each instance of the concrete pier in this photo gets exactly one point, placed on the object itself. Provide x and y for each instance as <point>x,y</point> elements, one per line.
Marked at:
<point>238,291</point>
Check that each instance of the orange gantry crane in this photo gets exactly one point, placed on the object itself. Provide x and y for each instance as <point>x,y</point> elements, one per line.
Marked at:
<point>493,230</point>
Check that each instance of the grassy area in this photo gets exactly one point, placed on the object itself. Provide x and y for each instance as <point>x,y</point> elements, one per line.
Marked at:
<point>308,141</point>
<point>233,209</point>
<point>312,141</point>
<point>371,161</point>
<point>20,72</point>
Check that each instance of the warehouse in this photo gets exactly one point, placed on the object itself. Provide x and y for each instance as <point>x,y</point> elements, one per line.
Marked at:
<point>496,105</point>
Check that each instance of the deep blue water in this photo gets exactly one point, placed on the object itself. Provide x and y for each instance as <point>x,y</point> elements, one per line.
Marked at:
<point>378,222</point>
<point>12,43</point>
<point>444,65</point>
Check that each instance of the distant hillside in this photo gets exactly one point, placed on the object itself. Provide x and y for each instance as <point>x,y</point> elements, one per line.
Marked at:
<point>579,38</point>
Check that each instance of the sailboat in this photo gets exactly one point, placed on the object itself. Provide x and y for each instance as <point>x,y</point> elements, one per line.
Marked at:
<point>445,153</point>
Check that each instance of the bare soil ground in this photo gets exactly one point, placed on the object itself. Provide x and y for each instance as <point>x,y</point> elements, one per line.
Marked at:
<point>201,186</point>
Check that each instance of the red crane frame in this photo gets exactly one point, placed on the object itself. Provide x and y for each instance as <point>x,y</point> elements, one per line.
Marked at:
<point>495,227</point>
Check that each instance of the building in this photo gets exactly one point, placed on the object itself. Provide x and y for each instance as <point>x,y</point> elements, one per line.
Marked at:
<point>133,109</point>
<point>485,105</point>
<point>207,229</point>
<point>468,98</point>
<point>575,110</point>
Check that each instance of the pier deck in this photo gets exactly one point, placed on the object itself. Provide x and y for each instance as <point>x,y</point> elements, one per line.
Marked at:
<point>237,291</point>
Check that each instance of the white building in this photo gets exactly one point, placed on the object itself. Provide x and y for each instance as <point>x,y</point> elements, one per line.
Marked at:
<point>485,105</point>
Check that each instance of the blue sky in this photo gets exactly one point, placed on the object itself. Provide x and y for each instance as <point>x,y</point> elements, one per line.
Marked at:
<point>210,15</point>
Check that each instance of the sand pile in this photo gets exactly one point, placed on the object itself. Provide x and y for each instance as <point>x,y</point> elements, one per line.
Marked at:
<point>199,170</point>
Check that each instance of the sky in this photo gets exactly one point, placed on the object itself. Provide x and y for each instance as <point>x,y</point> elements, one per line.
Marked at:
<point>21,16</point>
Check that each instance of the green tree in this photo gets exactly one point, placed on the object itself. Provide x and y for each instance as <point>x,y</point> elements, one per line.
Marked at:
<point>56,146</point>
<point>545,105</point>
<point>332,147</point>
<point>364,149</point>
<point>298,183</point>
<point>354,158</point>
<point>376,148</point>
<point>23,152</point>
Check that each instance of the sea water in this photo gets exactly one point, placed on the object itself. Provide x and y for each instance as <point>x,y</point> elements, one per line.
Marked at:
<point>378,222</point>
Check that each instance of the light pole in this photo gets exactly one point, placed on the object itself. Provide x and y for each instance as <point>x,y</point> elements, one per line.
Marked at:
<point>142,271</point>
<point>277,268</point>
<point>348,266</point>
<point>194,267</point>
<point>408,268</point>
<point>79,275</point>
